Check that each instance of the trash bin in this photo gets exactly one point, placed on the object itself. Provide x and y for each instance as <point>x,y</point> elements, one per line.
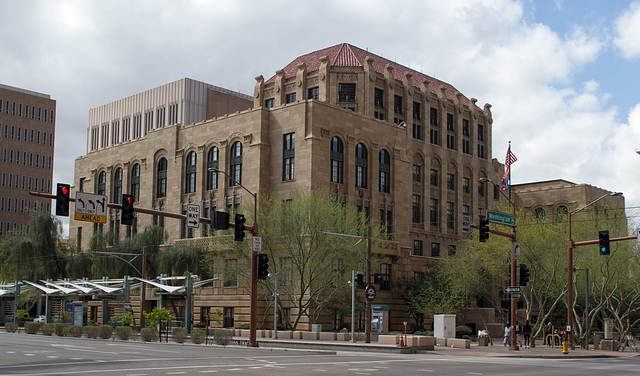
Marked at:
<point>483,341</point>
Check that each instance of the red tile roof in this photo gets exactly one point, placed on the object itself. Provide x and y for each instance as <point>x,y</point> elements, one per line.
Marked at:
<point>347,55</point>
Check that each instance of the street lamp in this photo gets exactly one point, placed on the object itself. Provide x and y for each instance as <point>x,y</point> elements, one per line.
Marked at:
<point>570,246</point>
<point>352,282</point>
<point>512,236</point>
<point>275,304</point>
<point>253,316</point>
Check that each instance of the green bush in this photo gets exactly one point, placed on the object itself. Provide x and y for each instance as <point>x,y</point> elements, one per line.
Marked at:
<point>105,331</point>
<point>222,336</point>
<point>47,329</point>
<point>245,326</point>
<point>124,332</point>
<point>179,335</point>
<point>463,330</point>
<point>149,334</point>
<point>60,329</point>
<point>10,327</point>
<point>32,327</point>
<point>91,331</point>
<point>74,331</point>
<point>197,336</point>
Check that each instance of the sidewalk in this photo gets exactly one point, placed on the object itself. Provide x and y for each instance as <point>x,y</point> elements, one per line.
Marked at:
<point>475,350</point>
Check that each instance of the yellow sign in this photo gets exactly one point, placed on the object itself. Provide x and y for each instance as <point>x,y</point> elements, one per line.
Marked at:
<point>91,218</point>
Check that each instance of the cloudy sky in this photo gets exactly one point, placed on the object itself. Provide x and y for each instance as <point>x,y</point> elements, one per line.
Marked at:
<point>562,75</point>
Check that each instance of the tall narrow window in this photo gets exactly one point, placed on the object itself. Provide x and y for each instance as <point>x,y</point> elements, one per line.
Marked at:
<point>451,182</point>
<point>378,104</point>
<point>135,182</point>
<point>347,96</point>
<point>190,173</point>
<point>398,109</point>
<point>433,212</point>
<point>102,182</point>
<point>362,162</point>
<point>212,163</point>
<point>417,173</point>
<point>417,121</point>
<point>415,209</point>
<point>161,183</point>
<point>313,93</point>
<point>450,215</point>
<point>236,163</point>
<point>117,186</point>
<point>451,132</point>
<point>231,273</point>
<point>288,156</point>
<point>466,141</point>
<point>433,120</point>
<point>385,171</point>
<point>337,160</point>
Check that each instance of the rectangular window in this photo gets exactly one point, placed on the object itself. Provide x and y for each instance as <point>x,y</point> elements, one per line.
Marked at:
<point>173,113</point>
<point>378,104</point>
<point>398,109</point>
<point>433,212</point>
<point>481,189</point>
<point>313,93</point>
<point>435,249</point>
<point>417,173</point>
<point>466,210</point>
<point>290,98</point>
<point>231,273</point>
<point>285,277</point>
<point>417,121</point>
<point>417,247</point>
<point>480,132</point>
<point>450,215</point>
<point>269,103</point>
<point>451,182</point>
<point>481,151</point>
<point>148,121</point>
<point>450,126</point>
<point>160,117</point>
<point>288,156</point>
<point>466,185</point>
<point>347,96</point>
<point>433,178</point>
<point>415,209</point>
<point>385,277</point>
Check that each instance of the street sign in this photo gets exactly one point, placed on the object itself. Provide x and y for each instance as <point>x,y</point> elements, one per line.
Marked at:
<point>512,289</point>
<point>516,251</point>
<point>193,216</point>
<point>505,219</point>
<point>91,208</point>
<point>370,292</point>
<point>257,244</point>
<point>466,224</point>
<point>516,295</point>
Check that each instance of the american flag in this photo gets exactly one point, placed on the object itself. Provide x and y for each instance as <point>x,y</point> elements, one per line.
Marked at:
<point>506,179</point>
<point>511,158</point>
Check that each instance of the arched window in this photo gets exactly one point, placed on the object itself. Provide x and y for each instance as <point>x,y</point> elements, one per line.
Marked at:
<point>337,160</point>
<point>212,162</point>
<point>385,171</point>
<point>190,173</point>
<point>117,186</point>
<point>102,181</point>
<point>161,178</point>
<point>362,162</point>
<point>540,213</point>
<point>561,213</point>
<point>135,182</point>
<point>236,164</point>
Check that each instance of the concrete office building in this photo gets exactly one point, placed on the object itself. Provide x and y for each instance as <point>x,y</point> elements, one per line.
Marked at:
<point>27,126</point>
<point>405,148</point>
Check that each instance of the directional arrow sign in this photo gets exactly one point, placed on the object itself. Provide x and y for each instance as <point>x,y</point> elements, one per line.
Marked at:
<point>193,216</point>
<point>512,289</point>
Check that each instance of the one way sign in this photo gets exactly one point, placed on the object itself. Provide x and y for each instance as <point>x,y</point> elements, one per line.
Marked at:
<point>193,216</point>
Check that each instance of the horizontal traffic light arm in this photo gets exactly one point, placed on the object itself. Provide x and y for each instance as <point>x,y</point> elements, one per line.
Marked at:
<point>509,235</point>
<point>590,242</point>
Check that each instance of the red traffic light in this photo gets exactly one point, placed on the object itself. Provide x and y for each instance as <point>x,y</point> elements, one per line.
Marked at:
<point>65,190</point>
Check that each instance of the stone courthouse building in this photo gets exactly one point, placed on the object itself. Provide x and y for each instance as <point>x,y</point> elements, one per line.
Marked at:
<point>405,148</point>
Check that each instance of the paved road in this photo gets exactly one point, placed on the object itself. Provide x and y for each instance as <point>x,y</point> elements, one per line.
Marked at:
<point>22,354</point>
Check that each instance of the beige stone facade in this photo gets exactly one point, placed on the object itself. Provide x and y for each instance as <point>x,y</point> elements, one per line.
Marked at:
<point>405,148</point>
<point>27,138</point>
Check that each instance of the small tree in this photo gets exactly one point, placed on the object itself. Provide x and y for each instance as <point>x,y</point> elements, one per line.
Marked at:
<point>157,317</point>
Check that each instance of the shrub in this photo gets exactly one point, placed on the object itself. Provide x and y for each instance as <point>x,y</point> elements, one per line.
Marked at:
<point>149,334</point>
<point>10,327</point>
<point>179,335</point>
<point>124,332</point>
<point>105,331</point>
<point>91,331</point>
<point>74,331</point>
<point>222,336</point>
<point>47,329</point>
<point>463,330</point>
<point>197,336</point>
<point>245,326</point>
<point>61,329</point>
<point>32,327</point>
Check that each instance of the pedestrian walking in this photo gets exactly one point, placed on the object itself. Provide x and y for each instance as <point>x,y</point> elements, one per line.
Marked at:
<point>549,336</point>
<point>507,335</point>
<point>526,333</point>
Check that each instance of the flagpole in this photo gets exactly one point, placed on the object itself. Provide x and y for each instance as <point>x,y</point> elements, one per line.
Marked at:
<point>509,156</point>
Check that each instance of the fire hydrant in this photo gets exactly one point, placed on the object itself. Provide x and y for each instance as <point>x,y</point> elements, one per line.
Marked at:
<point>565,347</point>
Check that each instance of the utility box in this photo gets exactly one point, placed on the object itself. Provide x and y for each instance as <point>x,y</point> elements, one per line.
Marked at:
<point>444,326</point>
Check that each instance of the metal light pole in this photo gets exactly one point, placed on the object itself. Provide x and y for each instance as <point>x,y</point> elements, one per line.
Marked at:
<point>512,236</point>
<point>253,315</point>
<point>275,305</point>
<point>570,246</point>
<point>586,307</point>
<point>353,305</point>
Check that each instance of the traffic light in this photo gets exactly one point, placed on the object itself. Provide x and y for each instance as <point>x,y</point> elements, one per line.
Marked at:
<point>360,279</point>
<point>126,215</point>
<point>263,266</point>
<point>62,200</point>
<point>603,242</point>
<point>220,220</point>
<point>484,228</point>
<point>524,275</point>
<point>239,227</point>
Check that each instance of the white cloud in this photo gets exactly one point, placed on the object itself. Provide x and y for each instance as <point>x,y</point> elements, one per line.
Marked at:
<point>627,28</point>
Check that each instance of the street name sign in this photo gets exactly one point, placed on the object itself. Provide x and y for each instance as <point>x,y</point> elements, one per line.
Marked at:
<point>193,216</point>
<point>91,208</point>
<point>512,289</point>
<point>505,219</point>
